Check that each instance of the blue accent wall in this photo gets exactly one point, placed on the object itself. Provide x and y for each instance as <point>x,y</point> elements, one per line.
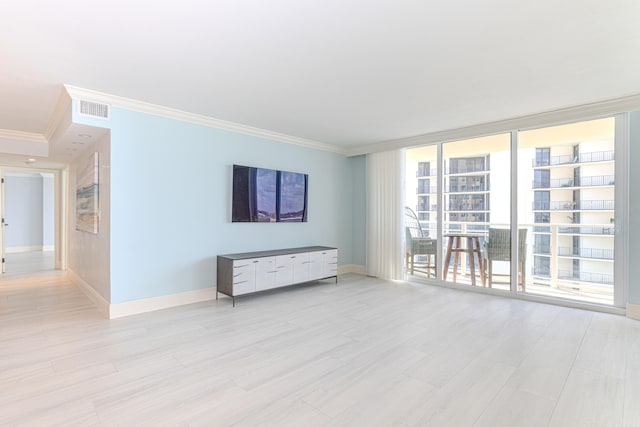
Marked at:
<point>171,202</point>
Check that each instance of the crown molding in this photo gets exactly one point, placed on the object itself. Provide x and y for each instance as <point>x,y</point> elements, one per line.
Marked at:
<point>16,135</point>
<point>549,118</point>
<point>198,119</point>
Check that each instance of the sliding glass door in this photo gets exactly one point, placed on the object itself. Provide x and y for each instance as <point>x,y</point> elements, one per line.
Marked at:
<point>466,198</point>
<point>421,212</point>
<point>567,185</point>
<point>476,211</point>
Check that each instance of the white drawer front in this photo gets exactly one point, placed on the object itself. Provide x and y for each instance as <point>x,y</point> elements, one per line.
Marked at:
<point>244,276</point>
<point>330,267</point>
<point>243,287</point>
<point>243,273</point>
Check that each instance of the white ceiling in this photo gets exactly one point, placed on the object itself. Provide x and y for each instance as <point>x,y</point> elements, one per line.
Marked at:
<point>348,72</point>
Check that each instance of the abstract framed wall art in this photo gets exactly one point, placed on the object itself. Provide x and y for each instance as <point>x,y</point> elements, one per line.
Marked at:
<point>87,195</point>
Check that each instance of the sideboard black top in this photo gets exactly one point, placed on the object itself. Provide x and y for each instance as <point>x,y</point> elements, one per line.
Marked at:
<point>276,252</point>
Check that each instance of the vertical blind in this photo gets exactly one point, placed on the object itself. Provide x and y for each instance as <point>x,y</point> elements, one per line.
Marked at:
<point>385,214</point>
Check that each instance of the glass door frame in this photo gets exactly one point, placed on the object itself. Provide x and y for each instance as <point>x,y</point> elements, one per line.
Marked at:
<point>621,244</point>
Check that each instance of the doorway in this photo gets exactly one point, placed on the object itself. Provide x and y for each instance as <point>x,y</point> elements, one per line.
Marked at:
<point>29,222</point>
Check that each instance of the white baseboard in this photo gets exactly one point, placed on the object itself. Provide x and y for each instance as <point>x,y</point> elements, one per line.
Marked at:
<point>633,311</point>
<point>158,303</point>
<point>48,248</point>
<point>99,301</point>
<point>351,268</point>
<point>20,249</point>
<point>129,308</point>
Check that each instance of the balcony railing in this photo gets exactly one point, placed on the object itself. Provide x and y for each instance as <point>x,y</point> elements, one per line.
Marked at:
<point>593,253</point>
<point>542,272</point>
<point>574,206</point>
<point>567,159</point>
<point>467,189</point>
<point>426,173</point>
<point>552,277</point>
<point>429,208</point>
<point>583,276</point>
<point>591,231</point>
<point>583,181</point>
<point>452,170</point>
<point>467,207</point>
<point>596,181</point>
<point>542,249</point>
<point>553,183</point>
<point>427,190</point>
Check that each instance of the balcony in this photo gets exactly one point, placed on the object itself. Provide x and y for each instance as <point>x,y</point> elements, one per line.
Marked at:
<point>568,159</point>
<point>467,207</point>
<point>595,181</point>
<point>583,276</point>
<point>422,173</point>
<point>553,183</point>
<point>591,253</point>
<point>589,231</point>
<point>467,189</point>
<point>588,205</point>
<point>583,181</point>
<point>545,278</point>
<point>542,249</point>
<point>427,208</point>
<point>427,189</point>
<point>455,170</point>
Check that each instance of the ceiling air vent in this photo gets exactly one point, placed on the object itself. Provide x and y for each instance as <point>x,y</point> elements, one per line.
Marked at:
<point>94,109</point>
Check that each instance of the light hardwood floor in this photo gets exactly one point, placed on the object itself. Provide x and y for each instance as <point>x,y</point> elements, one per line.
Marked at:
<point>29,262</point>
<point>361,353</point>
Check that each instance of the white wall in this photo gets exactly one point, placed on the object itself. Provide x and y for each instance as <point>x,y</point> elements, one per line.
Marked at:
<point>48,215</point>
<point>89,254</point>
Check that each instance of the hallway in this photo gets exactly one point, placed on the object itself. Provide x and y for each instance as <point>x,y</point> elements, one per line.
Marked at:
<point>29,262</point>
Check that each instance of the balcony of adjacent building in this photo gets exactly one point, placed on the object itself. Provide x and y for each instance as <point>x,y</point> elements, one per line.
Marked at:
<point>578,230</point>
<point>570,160</point>
<point>579,205</point>
<point>467,207</point>
<point>426,189</point>
<point>466,171</point>
<point>467,188</point>
<point>601,254</point>
<point>424,172</point>
<point>426,206</point>
<point>569,183</point>
<point>467,166</point>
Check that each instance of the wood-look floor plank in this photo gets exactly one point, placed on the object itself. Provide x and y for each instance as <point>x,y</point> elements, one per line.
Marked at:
<point>363,352</point>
